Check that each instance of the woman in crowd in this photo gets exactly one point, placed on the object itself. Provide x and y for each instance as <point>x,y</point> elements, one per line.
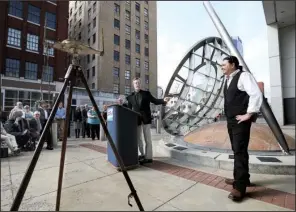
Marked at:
<point>77,121</point>
<point>28,115</point>
<point>10,141</point>
<point>94,122</point>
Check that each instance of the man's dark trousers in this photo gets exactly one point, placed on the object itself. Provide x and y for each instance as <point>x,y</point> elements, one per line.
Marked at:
<point>239,135</point>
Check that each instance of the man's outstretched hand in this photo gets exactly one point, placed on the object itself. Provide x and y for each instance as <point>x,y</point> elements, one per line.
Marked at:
<point>166,99</point>
<point>242,118</point>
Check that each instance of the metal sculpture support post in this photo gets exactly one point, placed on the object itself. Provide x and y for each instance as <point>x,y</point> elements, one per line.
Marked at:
<point>265,108</point>
<point>74,72</point>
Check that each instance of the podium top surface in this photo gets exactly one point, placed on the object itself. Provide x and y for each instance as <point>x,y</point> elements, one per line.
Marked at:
<point>126,108</point>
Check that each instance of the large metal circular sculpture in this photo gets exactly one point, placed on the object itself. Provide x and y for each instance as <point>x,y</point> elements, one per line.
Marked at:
<point>196,88</point>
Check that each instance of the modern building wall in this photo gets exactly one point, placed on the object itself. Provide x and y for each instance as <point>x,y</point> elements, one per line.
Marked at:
<point>22,41</point>
<point>281,44</point>
<point>118,22</point>
<point>287,52</point>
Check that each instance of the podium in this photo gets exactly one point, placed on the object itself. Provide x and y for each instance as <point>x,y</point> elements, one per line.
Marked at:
<point>122,124</point>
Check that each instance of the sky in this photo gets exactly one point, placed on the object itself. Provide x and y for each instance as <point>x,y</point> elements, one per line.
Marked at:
<point>180,24</point>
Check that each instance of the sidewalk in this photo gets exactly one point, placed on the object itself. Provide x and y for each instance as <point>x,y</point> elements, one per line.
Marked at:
<point>91,183</point>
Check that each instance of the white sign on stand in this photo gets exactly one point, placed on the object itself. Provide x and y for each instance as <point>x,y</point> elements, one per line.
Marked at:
<point>110,114</point>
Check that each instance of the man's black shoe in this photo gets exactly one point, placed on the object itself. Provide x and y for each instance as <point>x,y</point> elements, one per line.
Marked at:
<point>146,161</point>
<point>141,157</point>
<point>49,148</point>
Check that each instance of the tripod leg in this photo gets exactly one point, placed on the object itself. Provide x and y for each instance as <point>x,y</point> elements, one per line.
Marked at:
<point>26,179</point>
<point>64,146</point>
<point>108,136</point>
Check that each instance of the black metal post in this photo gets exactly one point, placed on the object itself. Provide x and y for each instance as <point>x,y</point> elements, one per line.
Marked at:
<point>64,146</point>
<point>27,177</point>
<point>111,142</point>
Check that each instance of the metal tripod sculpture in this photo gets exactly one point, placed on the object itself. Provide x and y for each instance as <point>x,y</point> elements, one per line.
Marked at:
<point>74,72</point>
<point>265,108</point>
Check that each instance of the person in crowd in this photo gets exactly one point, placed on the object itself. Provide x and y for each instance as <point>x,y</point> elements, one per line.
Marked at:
<point>104,113</point>
<point>44,114</point>
<point>18,127</point>
<point>27,113</point>
<point>18,106</point>
<point>35,127</point>
<point>10,141</point>
<point>94,122</point>
<point>242,100</point>
<point>77,121</point>
<point>87,126</point>
<point>84,120</point>
<point>139,101</point>
<point>60,117</point>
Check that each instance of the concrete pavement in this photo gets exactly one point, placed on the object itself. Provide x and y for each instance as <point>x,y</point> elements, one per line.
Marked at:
<point>91,183</point>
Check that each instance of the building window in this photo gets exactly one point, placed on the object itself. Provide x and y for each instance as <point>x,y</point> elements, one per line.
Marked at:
<point>146,52</point>
<point>137,7</point>
<point>145,12</point>
<point>34,14</point>
<point>75,6</point>
<point>79,23</point>
<point>16,8</point>
<point>127,59</point>
<point>32,42</point>
<point>116,55</point>
<point>138,62</point>
<point>116,40</point>
<point>116,23</point>
<point>138,20</point>
<point>14,37</point>
<point>47,74</point>
<point>127,15</point>
<point>94,38</point>
<point>115,72</point>
<point>137,33</point>
<point>93,71</point>
<point>93,57</point>
<point>146,25</point>
<point>127,2</point>
<point>138,75</point>
<point>115,88</point>
<point>88,41</point>
<point>88,28</point>
<point>79,36</point>
<point>127,44</point>
<point>80,10</point>
<point>94,22</point>
<point>146,38</point>
<point>89,13</point>
<point>127,90</point>
<point>93,86</point>
<point>87,73</point>
<point>116,9</point>
<point>48,49</point>
<point>127,29</point>
<point>70,23</point>
<point>147,79</point>
<point>94,7</point>
<point>12,68</point>
<point>127,75</point>
<point>138,48</point>
<point>51,20</point>
<point>70,11</point>
<point>146,65</point>
<point>88,58</point>
<point>31,71</point>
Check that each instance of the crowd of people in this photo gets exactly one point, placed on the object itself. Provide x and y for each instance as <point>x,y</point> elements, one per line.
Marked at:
<point>21,131</point>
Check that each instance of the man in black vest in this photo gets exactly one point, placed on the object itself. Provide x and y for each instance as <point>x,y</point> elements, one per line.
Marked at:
<point>243,100</point>
<point>139,101</point>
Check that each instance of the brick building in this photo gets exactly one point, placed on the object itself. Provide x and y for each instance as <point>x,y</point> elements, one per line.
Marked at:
<point>27,66</point>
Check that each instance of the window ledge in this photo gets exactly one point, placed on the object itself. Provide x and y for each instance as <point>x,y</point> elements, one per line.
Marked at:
<point>32,51</point>
<point>13,47</point>
<point>33,23</point>
<point>48,55</point>
<point>50,29</point>
<point>15,17</point>
<point>52,3</point>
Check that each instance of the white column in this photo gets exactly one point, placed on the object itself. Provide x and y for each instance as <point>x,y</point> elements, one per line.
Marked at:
<point>275,72</point>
